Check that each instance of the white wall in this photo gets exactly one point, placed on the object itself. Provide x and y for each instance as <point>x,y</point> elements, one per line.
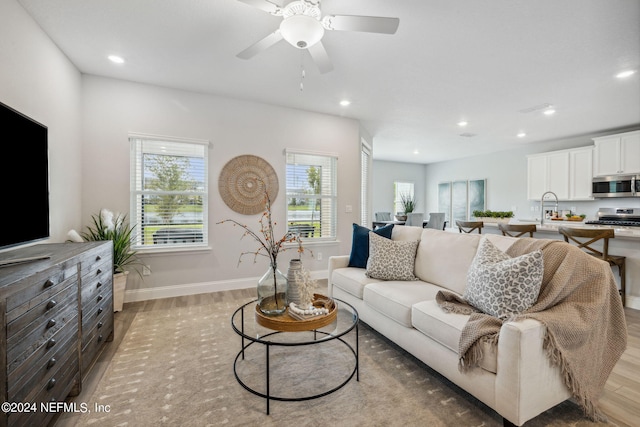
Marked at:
<point>39,81</point>
<point>385,173</point>
<point>113,108</point>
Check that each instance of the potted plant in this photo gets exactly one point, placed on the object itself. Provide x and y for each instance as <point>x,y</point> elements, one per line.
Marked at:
<point>107,226</point>
<point>408,203</point>
<point>493,216</point>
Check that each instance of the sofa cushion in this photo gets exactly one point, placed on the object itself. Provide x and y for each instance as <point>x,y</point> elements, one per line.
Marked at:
<point>360,243</point>
<point>443,258</point>
<point>391,260</point>
<point>351,280</point>
<point>446,328</point>
<point>500,285</point>
<point>395,299</point>
<point>406,233</point>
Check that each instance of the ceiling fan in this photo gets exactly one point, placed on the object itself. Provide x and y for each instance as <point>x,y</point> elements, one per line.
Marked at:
<point>303,26</point>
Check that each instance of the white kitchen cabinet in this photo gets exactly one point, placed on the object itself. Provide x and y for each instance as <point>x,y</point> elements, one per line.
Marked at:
<point>568,173</point>
<point>580,173</point>
<point>617,154</point>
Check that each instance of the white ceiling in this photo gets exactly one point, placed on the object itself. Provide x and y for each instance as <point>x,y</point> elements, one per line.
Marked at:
<point>450,60</point>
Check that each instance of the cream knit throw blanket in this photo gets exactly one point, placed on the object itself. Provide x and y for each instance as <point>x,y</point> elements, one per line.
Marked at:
<point>581,308</point>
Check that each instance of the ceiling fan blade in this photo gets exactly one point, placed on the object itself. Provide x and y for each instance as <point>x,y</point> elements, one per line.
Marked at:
<point>320,57</point>
<point>264,5</point>
<point>261,45</point>
<point>368,24</point>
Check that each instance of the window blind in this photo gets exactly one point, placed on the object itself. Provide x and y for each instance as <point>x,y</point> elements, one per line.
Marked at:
<point>169,192</point>
<point>311,194</point>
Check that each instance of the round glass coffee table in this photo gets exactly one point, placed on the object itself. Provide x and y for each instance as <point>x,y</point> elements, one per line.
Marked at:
<point>285,359</point>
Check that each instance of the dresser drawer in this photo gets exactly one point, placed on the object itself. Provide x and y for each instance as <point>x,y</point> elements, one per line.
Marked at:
<point>55,389</point>
<point>94,287</point>
<point>95,339</point>
<point>24,342</point>
<point>91,319</point>
<point>43,360</point>
<point>48,284</point>
<point>45,369</point>
<point>96,261</point>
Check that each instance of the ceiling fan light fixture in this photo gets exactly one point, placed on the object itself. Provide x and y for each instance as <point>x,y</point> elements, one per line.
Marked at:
<point>301,31</point>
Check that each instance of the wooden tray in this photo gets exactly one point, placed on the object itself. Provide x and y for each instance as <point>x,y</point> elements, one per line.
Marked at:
<point>286,323</point>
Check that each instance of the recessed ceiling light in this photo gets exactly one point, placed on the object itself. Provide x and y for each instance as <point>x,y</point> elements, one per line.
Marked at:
<point>116,59</point>
<point>345,102</point>
<point>549,112</point>
<point>521,135</point>
<point>625,74</point>
<point>416,152</point>
<point>462,123</point>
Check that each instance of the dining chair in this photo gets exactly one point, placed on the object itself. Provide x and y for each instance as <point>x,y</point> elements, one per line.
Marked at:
<point>469,226</point>
<point>584,238</point>
<point>436,220</point>
<point>517,230</point>
<point>415,219</point>
<point>383,216</point>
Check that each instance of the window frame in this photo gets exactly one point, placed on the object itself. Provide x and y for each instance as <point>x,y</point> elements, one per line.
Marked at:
<point>329,220</point>
<point>177,146</point>
<point>397,201</point>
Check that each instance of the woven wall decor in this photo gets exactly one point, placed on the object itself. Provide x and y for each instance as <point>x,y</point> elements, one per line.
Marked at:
<point>241,184</point>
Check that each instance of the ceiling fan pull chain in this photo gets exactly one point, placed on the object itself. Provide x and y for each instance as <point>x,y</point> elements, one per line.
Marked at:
<point>302,72</point>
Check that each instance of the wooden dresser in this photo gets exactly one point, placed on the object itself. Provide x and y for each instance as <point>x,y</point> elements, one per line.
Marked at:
<point>57,314</point>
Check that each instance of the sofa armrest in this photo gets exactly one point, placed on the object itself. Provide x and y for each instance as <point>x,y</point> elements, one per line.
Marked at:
<point>526,382</point>
<point>335,262</point>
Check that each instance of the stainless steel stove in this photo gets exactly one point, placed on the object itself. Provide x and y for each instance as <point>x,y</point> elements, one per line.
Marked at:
<point>621,217</point>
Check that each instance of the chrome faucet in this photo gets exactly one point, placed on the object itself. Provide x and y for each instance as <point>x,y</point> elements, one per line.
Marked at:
<point>542,205</point>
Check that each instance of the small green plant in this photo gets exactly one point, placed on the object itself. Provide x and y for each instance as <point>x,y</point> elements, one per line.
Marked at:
<point>492,214</point>
<point>107,226</point>
<point>408,203</point>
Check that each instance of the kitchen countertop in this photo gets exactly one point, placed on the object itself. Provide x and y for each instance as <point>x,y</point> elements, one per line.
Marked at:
<point>552,227</point>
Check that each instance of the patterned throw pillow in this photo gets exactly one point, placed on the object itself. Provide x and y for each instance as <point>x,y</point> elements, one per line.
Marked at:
<point>500,285</point>
<point>391,259</point>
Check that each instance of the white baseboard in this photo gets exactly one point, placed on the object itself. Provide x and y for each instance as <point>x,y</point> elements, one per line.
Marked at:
<point>185,289</point>
<point>632,302</point>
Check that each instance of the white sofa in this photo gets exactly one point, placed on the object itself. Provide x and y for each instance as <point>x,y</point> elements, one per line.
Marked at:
<point>517,380</point>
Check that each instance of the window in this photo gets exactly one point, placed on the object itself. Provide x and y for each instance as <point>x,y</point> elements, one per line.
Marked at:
<point>169,192</point>
<point>365,167</point>
<point>311,195</point>
<point>401,189</point>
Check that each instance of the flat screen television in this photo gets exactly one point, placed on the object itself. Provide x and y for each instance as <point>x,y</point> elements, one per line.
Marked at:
<point>24,179</point>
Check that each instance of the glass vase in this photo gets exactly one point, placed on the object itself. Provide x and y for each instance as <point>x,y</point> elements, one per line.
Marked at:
<point>272,292</point>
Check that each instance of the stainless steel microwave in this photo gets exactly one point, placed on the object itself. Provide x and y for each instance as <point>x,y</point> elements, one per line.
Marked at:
<point>616,186</point>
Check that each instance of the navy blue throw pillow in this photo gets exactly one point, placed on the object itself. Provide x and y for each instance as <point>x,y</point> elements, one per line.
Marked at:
<point>360,243</point>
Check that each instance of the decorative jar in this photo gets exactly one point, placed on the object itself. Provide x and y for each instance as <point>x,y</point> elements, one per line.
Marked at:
<point>272,292</point>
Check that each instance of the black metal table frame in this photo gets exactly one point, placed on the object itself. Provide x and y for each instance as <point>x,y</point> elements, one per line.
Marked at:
<point>268,344</point>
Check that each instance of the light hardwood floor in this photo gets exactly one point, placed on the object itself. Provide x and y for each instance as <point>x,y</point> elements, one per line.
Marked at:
<point>620,401</point>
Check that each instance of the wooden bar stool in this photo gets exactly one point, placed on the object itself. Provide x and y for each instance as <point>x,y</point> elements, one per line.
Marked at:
<point>517,230</point>
<point>469,226</point>
<point>579,236</point>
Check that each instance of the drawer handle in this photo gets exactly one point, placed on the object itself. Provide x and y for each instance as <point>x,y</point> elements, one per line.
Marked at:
<point>100,310</point>
<point>98,257</point>
<point>100,297</point>
<point>51,383</point>
<point>98,272</point>
<point>51,323</point>
<point>47,284</point>
<point>98,284</point>
<point>100,338</point>
<point>51,343</point>
<point>51,304</point>
<point>100,325</point>
<point>52,362</point>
